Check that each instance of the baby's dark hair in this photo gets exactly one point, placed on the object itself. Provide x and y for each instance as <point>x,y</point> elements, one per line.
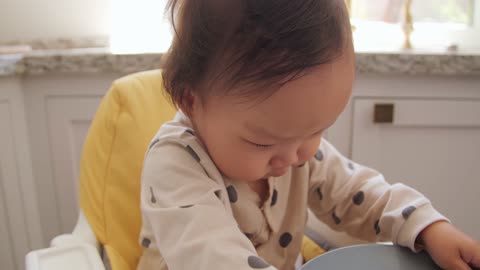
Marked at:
<point>252,46</point>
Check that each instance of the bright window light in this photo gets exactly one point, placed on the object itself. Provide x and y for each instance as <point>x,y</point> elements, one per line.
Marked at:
<point>438,24</point>
<point>139,26</point>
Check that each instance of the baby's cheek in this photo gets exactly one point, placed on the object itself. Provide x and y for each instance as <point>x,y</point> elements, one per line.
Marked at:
<point>255,164</point>
<point>247,169</point>
<point>308,149</point>
<point>254,160</point>
<point>245,159</point>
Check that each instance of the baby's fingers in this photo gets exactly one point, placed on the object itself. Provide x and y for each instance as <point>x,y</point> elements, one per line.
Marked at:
<point>475,263</point>
<point>471,255</point>
<point>458,265</point>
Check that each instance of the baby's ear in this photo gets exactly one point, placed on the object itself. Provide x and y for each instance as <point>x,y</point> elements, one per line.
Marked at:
<point>188,102</point>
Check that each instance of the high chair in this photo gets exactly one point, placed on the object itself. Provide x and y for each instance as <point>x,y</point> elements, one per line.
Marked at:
<point>106,233</point>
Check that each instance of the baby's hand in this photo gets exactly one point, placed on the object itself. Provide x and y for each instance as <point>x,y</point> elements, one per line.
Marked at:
<point>450,248</point>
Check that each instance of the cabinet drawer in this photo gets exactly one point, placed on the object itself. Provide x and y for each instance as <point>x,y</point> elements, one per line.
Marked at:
<point>431,145</point>
<point>423,113</point>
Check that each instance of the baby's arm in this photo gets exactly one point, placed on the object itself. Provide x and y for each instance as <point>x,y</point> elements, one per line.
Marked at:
<point>353,198</point>
<point>192,228</point>
<point>356,199</point>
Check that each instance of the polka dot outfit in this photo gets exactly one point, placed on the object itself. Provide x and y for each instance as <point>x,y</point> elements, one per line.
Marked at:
<point>195,218</point>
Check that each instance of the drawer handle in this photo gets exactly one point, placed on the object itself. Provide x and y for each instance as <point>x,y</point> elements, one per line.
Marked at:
<point>383,113</point>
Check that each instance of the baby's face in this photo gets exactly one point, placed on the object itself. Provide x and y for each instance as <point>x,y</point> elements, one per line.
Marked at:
<point>250,140</point>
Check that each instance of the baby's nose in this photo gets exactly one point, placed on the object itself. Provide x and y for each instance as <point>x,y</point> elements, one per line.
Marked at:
<point>283,161</point>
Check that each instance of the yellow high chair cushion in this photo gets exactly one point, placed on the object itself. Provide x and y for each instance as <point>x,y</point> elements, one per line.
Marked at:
<point>128,117</point>
<point>310,249</point>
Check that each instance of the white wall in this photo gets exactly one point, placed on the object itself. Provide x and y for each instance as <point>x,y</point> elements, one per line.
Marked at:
<point>51,19</point>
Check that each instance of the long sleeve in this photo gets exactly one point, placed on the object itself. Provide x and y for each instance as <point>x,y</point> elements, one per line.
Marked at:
<point>185,212</point>
<point>353,198</point>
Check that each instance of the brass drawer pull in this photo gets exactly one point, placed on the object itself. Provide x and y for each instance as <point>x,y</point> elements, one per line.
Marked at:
<point>383,113</point>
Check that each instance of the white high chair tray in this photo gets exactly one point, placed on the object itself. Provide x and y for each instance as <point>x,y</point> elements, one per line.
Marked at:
<point>372,257</point>
<point>73,257</point>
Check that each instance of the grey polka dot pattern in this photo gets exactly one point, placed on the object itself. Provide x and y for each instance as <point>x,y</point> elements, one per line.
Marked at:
<point>408,211</point>
<point>153,143</point>
<point>256,262</point>
<point>189,131</point>
<point>351,166</point>
<point>232,194</point>
<point>319,193</point>
<point>319,155</point>
<point>285,239</point>
<point>152,198</point>
<point>274,197</point>
<point>336,219</point>
<point>186,206</point>
<point>146,242</point>
<point>192,152</point>
<point>376,226</point>
<point>359,198</point>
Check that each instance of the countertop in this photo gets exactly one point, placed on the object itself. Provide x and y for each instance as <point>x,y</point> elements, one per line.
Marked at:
<point>103,60</point>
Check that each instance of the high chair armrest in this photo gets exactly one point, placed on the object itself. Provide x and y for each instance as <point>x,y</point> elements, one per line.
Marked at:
<point>72,257</point>
<point>82,234</point>
<point>78,250</point>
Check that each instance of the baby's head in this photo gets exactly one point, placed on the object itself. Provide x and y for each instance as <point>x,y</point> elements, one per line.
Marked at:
<point>260,79</point>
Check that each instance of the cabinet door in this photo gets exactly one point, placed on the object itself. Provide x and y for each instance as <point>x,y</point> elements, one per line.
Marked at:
<point>432,145</point>
<point>14,242</point>
<point>59,110</point>
<point>20,231</point>
<point>69,119</point>
<point>7,248</point>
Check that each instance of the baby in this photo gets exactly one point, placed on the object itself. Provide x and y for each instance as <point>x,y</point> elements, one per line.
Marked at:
<point>228,182</point>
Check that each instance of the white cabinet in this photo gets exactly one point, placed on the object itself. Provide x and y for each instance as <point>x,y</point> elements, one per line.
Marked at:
<point>60,108</point>
<point>20,229</point>
<point>43,123</point>
<point>8,175</point>
<point>432,143</point>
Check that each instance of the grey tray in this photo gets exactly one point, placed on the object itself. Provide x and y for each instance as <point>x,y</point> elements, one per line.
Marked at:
<point>371,257</point>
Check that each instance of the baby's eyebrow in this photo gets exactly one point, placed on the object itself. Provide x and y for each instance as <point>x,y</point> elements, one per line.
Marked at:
<point>264,132</point>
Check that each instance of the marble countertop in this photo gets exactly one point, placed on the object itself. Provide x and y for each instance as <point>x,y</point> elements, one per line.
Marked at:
<point>102,60</point>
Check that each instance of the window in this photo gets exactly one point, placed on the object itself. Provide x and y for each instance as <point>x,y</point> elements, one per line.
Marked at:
<point>437,11</point>
<point>139,26</point>
<point>437,24</point>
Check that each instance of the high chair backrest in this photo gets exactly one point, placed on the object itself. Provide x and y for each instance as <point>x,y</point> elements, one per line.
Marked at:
<point>128,117</point>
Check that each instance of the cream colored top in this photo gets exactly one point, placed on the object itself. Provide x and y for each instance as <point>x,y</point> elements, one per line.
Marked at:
<point>196,219</point>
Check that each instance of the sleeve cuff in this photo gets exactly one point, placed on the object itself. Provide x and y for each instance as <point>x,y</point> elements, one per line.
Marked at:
<point>415,224</point>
